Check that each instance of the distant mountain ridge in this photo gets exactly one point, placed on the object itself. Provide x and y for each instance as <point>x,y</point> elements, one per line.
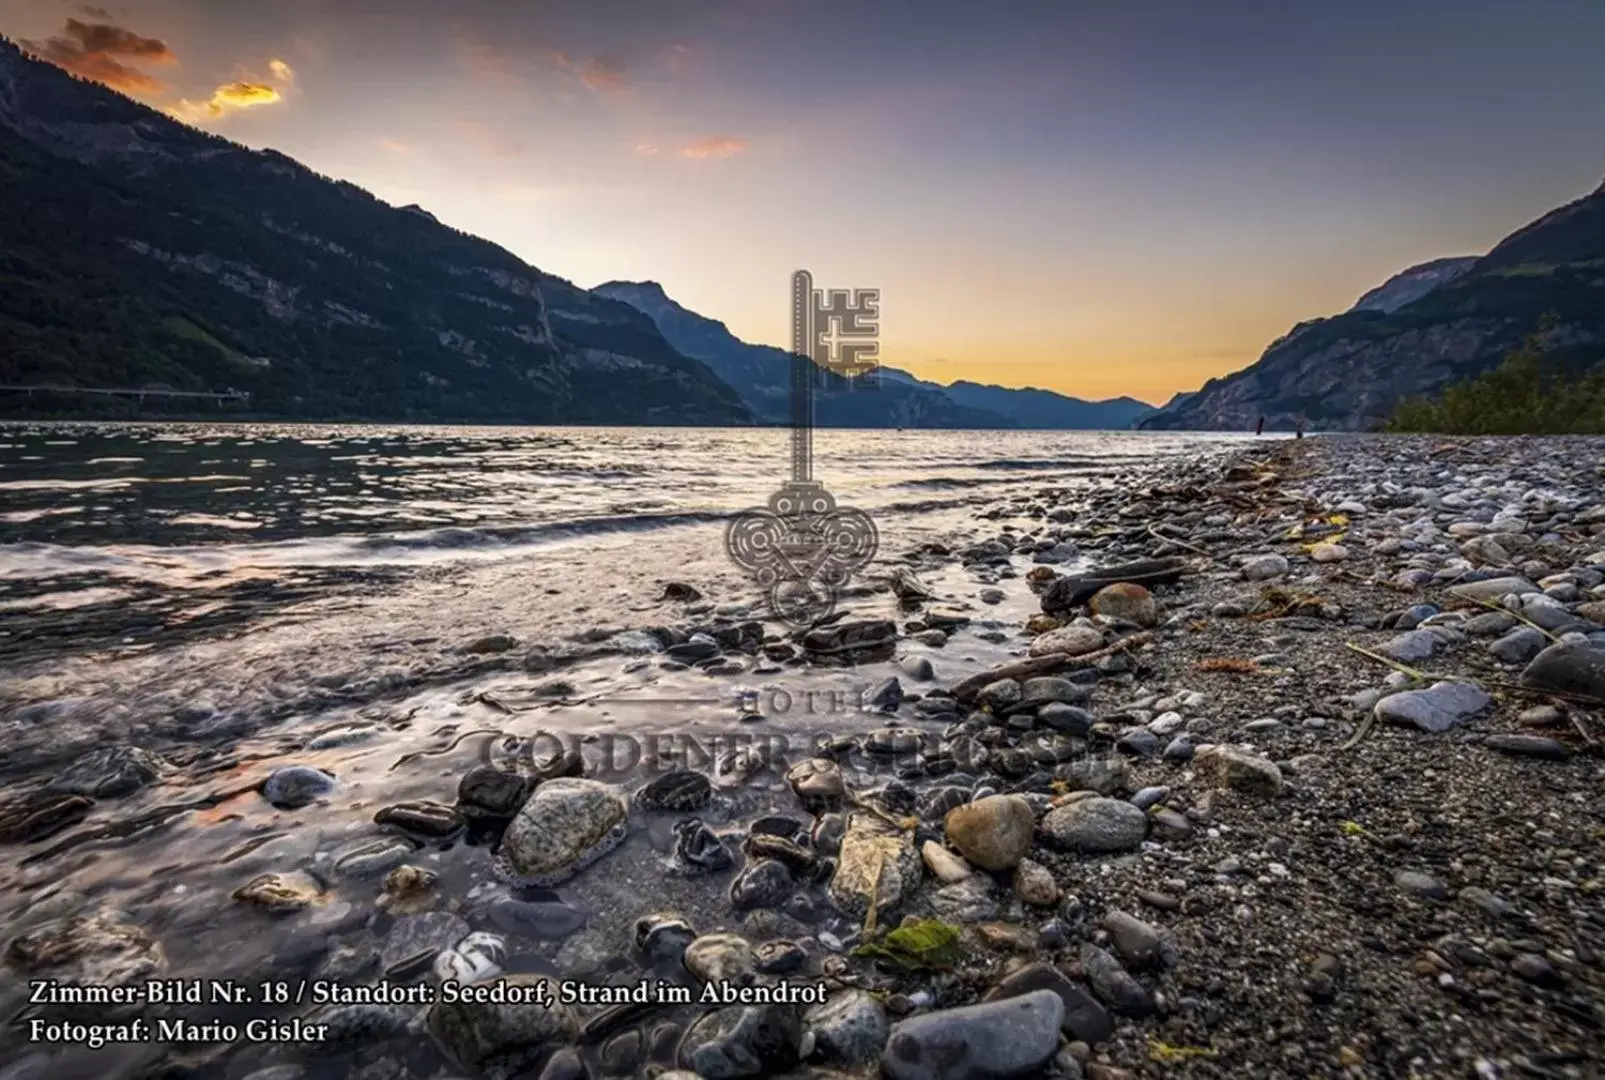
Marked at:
<point>761,375</point>
<point>1432,325</point>
<point>153,254</point>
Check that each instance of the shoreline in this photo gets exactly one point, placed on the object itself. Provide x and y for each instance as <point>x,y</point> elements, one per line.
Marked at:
<point>1320,895</point>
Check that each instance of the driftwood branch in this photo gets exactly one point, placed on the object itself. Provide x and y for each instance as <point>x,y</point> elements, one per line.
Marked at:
<point>1043,665</point>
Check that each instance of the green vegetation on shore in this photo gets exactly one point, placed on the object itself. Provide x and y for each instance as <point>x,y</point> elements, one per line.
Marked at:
<point>1525,395</point>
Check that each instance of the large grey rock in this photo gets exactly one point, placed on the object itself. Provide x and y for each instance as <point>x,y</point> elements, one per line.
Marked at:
<point>295,786</point>
<point>1084,1018</point>
<point>850,1028</point>
<point>745,1040</point>
<point>471,1033</point>
<point>566,825</point>
<point>1095,825</point>
<point>1437,708</point>
<point>1011,1037</point>
<point>1574,667</point>
<point>1518,646</point>
<point>1048,688</point>
<point>1494,588</point>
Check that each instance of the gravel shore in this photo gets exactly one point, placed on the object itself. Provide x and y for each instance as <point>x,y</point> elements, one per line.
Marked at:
<point>1300,779</point>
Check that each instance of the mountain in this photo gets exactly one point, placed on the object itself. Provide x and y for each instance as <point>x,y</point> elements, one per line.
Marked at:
<point>150,254</point>
<point>1033,408</point>
<point>761,374</point>
<point>1408,286</point>
<point>1177,400</point>
<point>1430,326</point>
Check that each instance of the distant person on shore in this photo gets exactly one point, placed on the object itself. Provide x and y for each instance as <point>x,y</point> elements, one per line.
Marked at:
<point>1298,432</point>
<point>1259,428</point>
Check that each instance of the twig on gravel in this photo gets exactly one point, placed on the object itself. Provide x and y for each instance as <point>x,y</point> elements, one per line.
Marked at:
<point>1157,535</point>
<point>1534,691</point>
<point>1361,732</point>
<point>966,690</point>
<point>1492,606</point>
<point>1418,676</point>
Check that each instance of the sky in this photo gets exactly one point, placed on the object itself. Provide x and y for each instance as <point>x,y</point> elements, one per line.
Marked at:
<point>1124,197</point>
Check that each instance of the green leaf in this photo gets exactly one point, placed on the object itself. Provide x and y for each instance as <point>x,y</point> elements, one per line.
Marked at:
<point>918,944</point>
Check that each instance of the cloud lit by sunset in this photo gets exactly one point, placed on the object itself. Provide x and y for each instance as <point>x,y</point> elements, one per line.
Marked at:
<point>234,95</point>
<point>104,53</point>
<point>714,146</point>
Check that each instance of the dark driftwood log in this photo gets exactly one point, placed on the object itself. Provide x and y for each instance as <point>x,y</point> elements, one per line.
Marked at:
<point>1042,665</point>
<point>1068,592</point>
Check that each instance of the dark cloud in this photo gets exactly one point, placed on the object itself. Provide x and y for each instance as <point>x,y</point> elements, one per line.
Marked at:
<point>97,51</point>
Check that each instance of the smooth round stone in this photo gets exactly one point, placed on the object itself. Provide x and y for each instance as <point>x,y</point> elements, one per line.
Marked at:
<point>488,791</point>
<point>474,1032</point>
<point>295,786</point>
<point>535,919</point>
<point>1068,640</point>
<point>747,1040</point>
<point>1048,688</point>
<point>1007,1037</point>
<point>1000,694</point>
<point>563,827</point>
<point>1113,985</point>
<point>1034,884</point>
<point>763,884</point>
<point>680,790</point>
<point>715,958</point>
<point>1066,718</point>
<point>1126,601</point>
<point>664,935</point>
<point>818,783</point>
<point>850,1028</point>
<point>994,833</point>
<point>1417,884</point>
<point>894,740</point>
<point>1096,825</point>
<point>1140,945</point>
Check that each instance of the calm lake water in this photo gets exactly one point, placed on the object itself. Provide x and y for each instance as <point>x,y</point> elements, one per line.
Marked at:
<point>240,598</point>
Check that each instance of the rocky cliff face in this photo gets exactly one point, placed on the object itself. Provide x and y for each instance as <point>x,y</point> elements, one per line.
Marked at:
<point>1408,286</point>
<point>1347,372</point>
<point>152,254</point>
